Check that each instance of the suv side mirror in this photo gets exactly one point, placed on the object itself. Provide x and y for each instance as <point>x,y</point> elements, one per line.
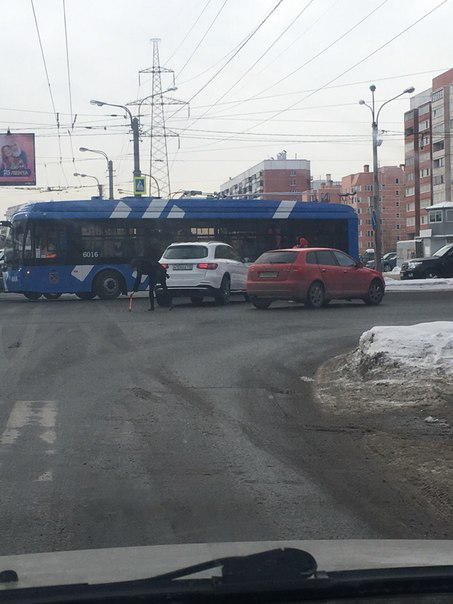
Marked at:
<point>359,264</point>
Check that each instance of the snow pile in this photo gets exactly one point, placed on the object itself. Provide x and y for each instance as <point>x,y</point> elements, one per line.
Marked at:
<point>426,347</point>
<point>392,284</point>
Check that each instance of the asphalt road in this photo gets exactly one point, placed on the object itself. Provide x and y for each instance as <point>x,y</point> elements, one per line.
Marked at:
<point>194,425</point>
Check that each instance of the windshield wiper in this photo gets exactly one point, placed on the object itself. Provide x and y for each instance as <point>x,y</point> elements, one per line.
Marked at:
<point>272,576</point>
<point>287,564</point>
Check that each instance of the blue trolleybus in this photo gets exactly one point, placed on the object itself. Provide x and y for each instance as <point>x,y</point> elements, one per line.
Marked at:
<point>85,247</point>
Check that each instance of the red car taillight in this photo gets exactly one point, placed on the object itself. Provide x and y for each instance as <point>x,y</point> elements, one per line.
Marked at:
<point>209,266</point>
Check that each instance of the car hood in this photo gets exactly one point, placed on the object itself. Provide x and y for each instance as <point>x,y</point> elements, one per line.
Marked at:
<point>130,563</point>
<point>422,259</point>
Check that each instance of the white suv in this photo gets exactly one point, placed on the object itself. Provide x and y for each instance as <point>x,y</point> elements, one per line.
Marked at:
<point>199,269</point>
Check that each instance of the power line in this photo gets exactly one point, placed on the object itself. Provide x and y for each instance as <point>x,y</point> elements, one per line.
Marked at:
<point>73,118</point>
<point>358,62</point>
<point>328,47</point>
<point>189,32</point>
<point>328,10</point>
<point>68,68</point>
<point>48,82</point>
<point>240,47</point>
<point>318,54</point>
<point>202,38</point>
<point>258,60</point>
<point>281,134</point>
<point>293,105</point>
<point>270,96</point>
<point>43,58</point>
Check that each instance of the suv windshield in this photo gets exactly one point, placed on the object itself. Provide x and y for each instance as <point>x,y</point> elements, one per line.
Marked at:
<point>277,258</point>
<point>443,250</point>
<point>185,252</point>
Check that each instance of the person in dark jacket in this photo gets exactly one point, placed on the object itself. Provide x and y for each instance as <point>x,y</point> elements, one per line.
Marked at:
<point>156,274</point>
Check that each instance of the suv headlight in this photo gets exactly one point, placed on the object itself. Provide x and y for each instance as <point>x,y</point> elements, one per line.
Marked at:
<point>412,265</point>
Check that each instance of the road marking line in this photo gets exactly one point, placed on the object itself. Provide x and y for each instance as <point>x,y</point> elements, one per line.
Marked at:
<point>25,413</point>
<point>19,417</point>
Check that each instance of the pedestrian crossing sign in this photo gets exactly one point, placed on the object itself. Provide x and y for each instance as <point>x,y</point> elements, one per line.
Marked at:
<point>139,185</point>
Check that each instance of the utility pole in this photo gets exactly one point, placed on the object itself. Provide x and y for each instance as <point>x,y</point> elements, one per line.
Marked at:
<point>110,171</point>
<point>109,167</point>
<point>135,127</point>
<point>377,224</point>
<point>377,221</point>
<point>136,138</point>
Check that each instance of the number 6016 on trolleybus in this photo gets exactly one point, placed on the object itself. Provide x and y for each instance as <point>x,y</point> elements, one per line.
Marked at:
<point>85,247</point>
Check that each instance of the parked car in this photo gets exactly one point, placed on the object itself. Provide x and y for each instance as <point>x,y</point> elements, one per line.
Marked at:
<point>388,262</point>
<point>440,264</point>
<point>198,270</point>
<point>314,276</point>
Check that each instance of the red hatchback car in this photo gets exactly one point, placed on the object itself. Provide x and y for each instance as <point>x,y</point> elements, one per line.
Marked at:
<point>314,276</point>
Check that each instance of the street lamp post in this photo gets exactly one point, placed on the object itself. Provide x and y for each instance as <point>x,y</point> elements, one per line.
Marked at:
<point>156,182</point>
<point>135,125</point>
<point>135,132</point>
<point>95,178</point>
<point>109,168</point>
<point>376,196</point>
<point>140,103</point>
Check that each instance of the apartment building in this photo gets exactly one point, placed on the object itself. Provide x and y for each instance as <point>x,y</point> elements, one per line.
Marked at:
<point>326,190</point>
<point>428,132</point>
<point>358,192</point>
<point>279,178</point>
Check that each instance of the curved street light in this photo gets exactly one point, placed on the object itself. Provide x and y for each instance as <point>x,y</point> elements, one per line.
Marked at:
<point>376,197</point>
<point>135,131</point>
<point>109,167</point>
<point>135,124</point>
<point>95,178</point>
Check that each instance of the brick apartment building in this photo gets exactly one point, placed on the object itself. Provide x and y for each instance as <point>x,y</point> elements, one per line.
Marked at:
<point>358,192</point>
<point>279,178</point>
<point>428,129</point>
<point>324,190</point>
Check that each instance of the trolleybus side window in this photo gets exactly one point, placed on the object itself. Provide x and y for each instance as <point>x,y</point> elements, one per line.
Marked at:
<point>50,241</point>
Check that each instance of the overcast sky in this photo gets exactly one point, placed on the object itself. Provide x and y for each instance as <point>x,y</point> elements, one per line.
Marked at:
<point>243,108</point>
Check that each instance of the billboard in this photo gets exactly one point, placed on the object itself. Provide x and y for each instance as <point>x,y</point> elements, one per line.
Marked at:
<point>17,159</point>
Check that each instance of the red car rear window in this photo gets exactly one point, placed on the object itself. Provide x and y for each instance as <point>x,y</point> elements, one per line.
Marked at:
<point>277,258</point>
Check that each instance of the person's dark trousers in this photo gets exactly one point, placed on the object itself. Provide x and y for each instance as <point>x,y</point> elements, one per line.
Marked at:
<point>167,294</point>
<point>152,285</point>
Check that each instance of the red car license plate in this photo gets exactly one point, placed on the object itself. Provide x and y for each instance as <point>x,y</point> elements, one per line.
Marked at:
<point>268,275</point>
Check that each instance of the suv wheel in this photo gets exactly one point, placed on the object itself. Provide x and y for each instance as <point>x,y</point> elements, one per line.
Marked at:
<point>223,294</point>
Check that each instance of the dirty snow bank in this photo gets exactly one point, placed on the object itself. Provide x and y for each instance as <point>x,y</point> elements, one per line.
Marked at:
<point>396,391</point>
<point>426,347</point>
<point>398,366</point>
<point>394,285</point>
